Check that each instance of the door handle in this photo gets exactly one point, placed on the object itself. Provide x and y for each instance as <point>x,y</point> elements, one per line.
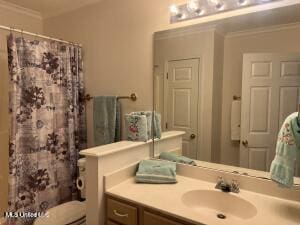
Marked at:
<point>245,143</point>
<point>193,136</point>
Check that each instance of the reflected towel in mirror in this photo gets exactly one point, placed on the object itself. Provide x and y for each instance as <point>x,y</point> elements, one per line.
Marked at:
<point>287,149</point>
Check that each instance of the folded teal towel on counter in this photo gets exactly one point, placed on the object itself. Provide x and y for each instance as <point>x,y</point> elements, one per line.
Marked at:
<point>287,149</point>
<point>176,158</point>
<point>156,172</point>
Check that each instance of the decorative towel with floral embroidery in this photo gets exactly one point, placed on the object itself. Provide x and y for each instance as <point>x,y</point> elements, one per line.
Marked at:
<point>153,124</point>
<point>136,127</point>
<point>287,148</point>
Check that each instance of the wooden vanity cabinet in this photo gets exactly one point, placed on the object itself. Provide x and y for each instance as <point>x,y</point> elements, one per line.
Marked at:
<point>152,219</point>
<point>120,212</point>
<point>111,223</point>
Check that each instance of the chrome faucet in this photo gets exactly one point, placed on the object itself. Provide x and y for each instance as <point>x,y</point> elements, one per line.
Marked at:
<point>227,187</point>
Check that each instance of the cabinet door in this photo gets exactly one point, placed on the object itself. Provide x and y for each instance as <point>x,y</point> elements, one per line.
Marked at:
<point>152,219</point>
<point>111,223</point>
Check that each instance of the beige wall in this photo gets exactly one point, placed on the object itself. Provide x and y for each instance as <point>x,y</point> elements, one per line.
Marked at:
<point>29,23</point>
<point>279,41</point>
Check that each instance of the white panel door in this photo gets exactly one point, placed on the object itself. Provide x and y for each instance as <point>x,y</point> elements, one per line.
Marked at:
<point>182,102</point>
<point>270,92</point>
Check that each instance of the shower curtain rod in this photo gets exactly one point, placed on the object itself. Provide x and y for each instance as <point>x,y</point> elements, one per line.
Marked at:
<point>38,35</point>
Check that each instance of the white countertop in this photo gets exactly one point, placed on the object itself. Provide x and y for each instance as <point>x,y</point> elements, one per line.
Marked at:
<point>167,199</point>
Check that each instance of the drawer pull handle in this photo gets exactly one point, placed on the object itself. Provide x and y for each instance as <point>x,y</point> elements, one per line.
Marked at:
<point>119,214</point>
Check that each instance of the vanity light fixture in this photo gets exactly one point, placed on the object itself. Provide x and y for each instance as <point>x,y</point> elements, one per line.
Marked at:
<point>242,2</point>
<point>198,8</point>
<point>175,11</point>
<point>218,4</point>
<point>194,6</point>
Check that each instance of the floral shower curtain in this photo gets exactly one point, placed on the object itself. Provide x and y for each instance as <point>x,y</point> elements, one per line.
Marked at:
<point>47,113</point>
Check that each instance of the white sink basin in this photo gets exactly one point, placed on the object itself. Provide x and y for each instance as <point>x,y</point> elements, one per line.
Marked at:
<point>217,202</point>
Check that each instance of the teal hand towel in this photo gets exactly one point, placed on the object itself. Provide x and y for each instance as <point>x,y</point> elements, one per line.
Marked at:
<point>287,148</point>
<point>118,128</point>
<point>105,119</point>
<point>157,125</point>
<point>176,158</point>
<point>156,172</point>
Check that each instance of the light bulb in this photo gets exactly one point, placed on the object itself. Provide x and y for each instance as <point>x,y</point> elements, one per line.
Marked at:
<point>183,16</point>
<point>218,4</point>
<point>174,10</point>
<point>242,2</point>
<point>194,6</point>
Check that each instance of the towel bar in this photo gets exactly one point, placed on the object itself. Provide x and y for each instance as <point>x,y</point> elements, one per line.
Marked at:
<point>236,97</point>
<point>133,97</point>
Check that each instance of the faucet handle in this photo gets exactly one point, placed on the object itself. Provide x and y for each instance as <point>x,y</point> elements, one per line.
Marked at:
<point>235,187</point>
<point>222,185</point>
<point>219,182</point>
<point>220,179</point>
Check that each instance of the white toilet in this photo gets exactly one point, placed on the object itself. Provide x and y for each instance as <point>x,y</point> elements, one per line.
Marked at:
<point>69,213</point>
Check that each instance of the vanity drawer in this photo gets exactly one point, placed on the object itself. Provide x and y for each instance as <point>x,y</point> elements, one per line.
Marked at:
<point>152,219</point>
<point>121,213</point>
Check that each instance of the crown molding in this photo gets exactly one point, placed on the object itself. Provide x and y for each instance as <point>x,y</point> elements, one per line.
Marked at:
<point>265,29</point>
<point>183,31</point>
<point>69,9</point>
<point>20,9</point>
<point>62,11</point>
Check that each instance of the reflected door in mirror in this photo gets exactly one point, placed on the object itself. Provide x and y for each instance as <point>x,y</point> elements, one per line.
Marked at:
<point>270,93</point>
<point>181,101</point>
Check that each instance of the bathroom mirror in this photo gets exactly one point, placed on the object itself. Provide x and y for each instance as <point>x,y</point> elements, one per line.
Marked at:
<point>229,85</point>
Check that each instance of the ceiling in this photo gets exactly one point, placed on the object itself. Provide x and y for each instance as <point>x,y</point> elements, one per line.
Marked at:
<point>48,8</point>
